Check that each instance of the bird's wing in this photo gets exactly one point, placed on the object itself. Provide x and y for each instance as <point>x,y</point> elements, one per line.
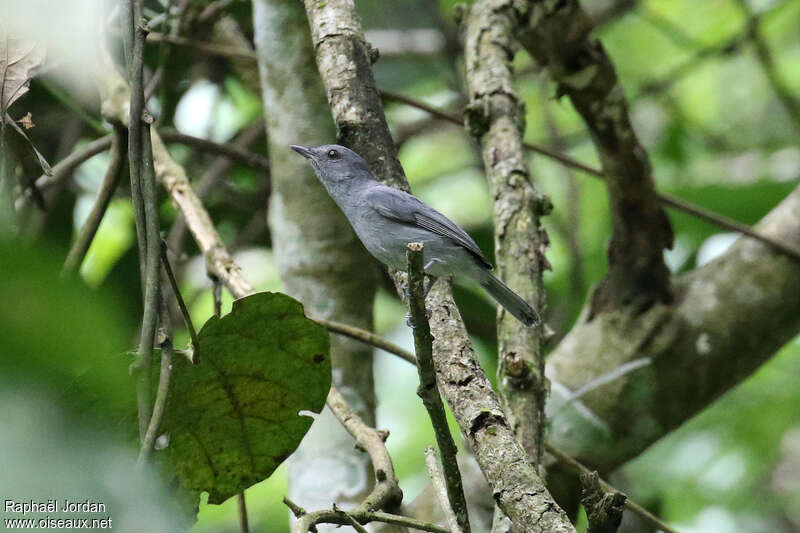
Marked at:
<point>403,207</point>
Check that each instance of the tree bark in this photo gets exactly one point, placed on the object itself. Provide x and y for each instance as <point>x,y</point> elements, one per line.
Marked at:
<point>321,262</point>
<point>495,116</point>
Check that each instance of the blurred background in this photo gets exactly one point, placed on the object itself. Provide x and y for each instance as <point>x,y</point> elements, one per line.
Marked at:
<point>710,115</point>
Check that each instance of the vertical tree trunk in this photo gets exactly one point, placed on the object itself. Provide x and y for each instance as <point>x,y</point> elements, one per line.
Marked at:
<point>321,261</point>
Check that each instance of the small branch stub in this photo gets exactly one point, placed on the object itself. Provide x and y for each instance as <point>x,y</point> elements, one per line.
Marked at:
<point>604,509</point>
<point>428,391</point>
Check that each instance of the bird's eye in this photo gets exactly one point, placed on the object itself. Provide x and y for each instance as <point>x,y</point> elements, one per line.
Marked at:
<point>333,154</point>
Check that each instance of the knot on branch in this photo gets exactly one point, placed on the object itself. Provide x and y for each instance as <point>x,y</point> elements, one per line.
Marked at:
<point>603,509</point>
<point>372,53</point>
<point>477,116</point>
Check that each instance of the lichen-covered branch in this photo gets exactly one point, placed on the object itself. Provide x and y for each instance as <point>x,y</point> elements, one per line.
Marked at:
<point>428,391</point>
<point>343,59</point>
<point>729,317</point>
<point>558,36</point>
<point>495,116</point>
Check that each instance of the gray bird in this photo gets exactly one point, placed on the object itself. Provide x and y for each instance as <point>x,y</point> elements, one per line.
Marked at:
<point>387,219</point>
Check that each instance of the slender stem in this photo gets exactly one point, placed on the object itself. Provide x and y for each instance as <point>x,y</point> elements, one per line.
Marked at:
<point>386,493</point>
<point>66,166</point>
<point>136,159</point>
<point>210,49</point>
<point>437,479</point>
<point>241,505</point>
<point>367,337</point>
<point>162,393</point>
<point>428,391</point>
<point>110,181</point>
<point>631,505</point>
<point>187,319</point>
<point>230,150</point>
<point>364,517</point>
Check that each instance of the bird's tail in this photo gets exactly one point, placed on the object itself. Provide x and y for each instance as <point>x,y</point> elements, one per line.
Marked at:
<point>510,300</point>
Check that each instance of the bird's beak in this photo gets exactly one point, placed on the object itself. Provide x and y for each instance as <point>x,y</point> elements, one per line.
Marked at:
<point>302,150</point>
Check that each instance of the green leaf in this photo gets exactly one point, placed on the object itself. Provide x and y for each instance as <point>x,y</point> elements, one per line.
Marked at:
<point>233,417</point>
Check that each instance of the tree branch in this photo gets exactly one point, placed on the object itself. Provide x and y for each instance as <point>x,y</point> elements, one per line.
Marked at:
<point>343,59</point>
<point>336,517</point>
<point>110,181</point>
<point>366,337</point>
<point>385,495</point>
<point>495,117</point>
<point>558,37</point>
<point>140,159</point>
<point>162,392</point>
<point>315,247</point>
<point>729,317</point>
<point>230,150</point>
<point>427,390</point>
<point>440,488</point>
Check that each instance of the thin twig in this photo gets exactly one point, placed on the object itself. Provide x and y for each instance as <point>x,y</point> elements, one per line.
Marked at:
<point>139,168</point>
<point>631,505</point>
<point>214,172</point>
<point>65,167</point>
<point>187,319</point>
<point>367,337</point>
<point>210,49</point>
<point>437,479</point>
<point>162,393</point>
<point>689,208</point>
<point>364,517</point>
<point>427,390</point>
<point>105,193</point>
<point>231,150</point>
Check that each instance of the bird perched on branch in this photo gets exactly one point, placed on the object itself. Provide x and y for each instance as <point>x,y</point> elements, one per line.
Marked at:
<point>387,219</point>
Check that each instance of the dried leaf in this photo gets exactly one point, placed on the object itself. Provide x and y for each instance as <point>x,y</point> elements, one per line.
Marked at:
<point>18,57</point>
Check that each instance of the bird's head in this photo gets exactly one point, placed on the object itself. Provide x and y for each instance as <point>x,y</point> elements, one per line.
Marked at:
<point>334,163</point>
